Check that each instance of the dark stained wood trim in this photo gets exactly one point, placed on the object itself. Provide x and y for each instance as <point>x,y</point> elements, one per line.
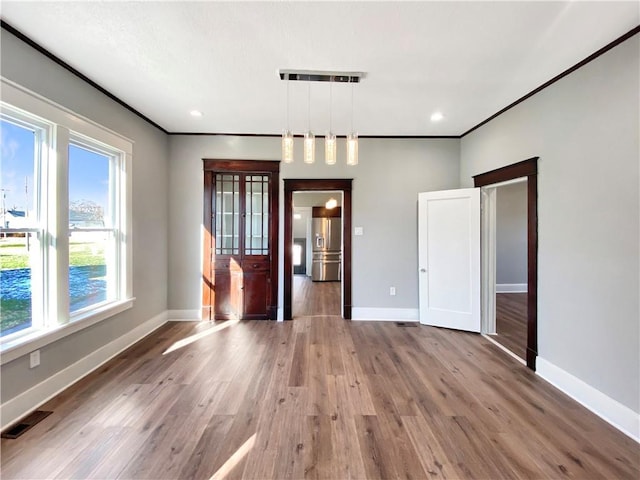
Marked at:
<point>532,270</point>
<point>527,168</point>
<point>208,292</point>
<point>274,239</point>
<point>226,165</point>
<point>211,165</point>
<point>582,63</point>
<point>288,253</point>
<point>503,174</point>
<point>316,184</point>
<point>307,185</point>
<point>322,212</point>
<point>40,49</point>
<point>346,235</point>
<point>300,135</point>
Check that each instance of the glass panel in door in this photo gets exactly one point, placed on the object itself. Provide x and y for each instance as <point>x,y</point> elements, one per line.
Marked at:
<point>227,209</point>
<point>257,215</point>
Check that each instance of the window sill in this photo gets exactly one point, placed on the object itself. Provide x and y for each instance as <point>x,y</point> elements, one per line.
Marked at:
<point>27,343</point>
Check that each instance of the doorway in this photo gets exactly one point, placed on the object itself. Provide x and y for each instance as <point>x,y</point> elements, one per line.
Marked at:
<point>511,265</point>
<point>317,224</point>
<point>317,185</point>
<point>527,169</point>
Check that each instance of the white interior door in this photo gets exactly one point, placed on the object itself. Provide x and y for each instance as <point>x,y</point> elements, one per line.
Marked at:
<point>449,258</point>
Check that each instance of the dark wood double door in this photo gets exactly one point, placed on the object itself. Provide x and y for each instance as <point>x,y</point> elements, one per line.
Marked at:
<point>240,239</point>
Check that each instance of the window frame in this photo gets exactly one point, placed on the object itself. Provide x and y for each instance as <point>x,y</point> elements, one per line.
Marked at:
<point>65,127</point>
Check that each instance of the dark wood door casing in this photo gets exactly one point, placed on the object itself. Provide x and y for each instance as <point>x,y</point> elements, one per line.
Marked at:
<point>526,168</point>
<point>308,185</point>
<point>240,283</point>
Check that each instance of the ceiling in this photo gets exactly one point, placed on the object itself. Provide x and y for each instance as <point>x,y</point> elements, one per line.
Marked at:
<point>465,59</point>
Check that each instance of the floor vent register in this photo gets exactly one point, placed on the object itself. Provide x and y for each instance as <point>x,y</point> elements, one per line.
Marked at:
<point>25,424</point>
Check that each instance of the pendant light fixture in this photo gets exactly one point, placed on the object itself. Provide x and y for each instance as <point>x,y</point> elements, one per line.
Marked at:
<point>330,144</point>
<point>287,137</point>
<point>352,139</point>
<point>309,138</point>
<point>330,139</point>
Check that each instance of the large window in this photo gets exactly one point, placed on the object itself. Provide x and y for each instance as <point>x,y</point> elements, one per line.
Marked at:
<point>20,253</point>
<point>65,259</point>
<point>93,252</point>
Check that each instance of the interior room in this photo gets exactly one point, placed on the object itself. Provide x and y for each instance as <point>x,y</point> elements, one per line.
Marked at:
<point>511,267</point>
<point>317,282</point>
<point>156,157</point>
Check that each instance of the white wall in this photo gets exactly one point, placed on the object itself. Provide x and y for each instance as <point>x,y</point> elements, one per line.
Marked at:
<point>385,187</point>
<point>27,67</point>
<point>300,224</point>
<point>585,130</point>
<point>315,199</point>
<point>511,234</point>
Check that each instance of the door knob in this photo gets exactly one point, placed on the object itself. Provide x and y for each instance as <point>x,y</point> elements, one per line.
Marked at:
<point>423,270</point>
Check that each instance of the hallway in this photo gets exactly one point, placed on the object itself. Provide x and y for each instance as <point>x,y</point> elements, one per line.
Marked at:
<point>315,298</point>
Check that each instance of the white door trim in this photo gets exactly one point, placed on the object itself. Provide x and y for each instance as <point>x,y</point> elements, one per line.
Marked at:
<point>488,258</point>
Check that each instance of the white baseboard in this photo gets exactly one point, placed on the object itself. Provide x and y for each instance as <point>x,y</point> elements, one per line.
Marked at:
<point>16,408</point>
<point>511,287</point>
<point>385,314</point>
<point>184,315</point>
<point>610,410</point>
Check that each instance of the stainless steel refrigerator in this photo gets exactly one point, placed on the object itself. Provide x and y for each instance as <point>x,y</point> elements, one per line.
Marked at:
<point>326,236</point>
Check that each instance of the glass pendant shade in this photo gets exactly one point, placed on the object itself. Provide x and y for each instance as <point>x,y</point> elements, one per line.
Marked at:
<point>352,149</point>
<point>309,148</point>
<point>330,149</point>
<point>287,147</point>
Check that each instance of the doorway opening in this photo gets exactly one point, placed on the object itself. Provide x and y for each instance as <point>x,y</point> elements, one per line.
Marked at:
<point>507,206</point>
<point>328,264</point>
<point>527,170</point>
<point>317,253</point>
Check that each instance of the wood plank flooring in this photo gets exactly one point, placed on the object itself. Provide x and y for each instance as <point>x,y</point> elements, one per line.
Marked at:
<point>317,397</point>
<point>315,298</point>
<point>511,322</point>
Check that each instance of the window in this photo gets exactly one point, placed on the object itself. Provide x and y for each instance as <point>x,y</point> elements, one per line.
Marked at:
<point>93,246</point>
<point>65,249</point>
<point>20,252</point>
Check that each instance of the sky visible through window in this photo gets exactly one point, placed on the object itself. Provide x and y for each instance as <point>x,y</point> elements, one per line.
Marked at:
<point>88,208</point>
<point>88,176</point>
<point>16,168</point>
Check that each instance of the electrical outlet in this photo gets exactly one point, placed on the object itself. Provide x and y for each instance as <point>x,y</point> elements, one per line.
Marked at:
<point>34,359</point>
<point>392,290</point>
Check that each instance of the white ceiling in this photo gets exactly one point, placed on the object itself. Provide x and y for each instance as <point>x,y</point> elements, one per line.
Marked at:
<point>466,59</point>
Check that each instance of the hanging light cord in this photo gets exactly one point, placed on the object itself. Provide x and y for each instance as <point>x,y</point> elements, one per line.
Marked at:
<point>351,107</point>
<point>330,104</point>
<point>287,103</point>
<point>309,111</point>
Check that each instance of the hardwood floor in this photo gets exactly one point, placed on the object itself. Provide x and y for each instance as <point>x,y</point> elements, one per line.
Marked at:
<point>315,298</point>
<point>317,397</point>
<point>511,322</point>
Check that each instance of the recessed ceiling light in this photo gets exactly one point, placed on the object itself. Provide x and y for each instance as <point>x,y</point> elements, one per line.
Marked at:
<point>195,113</point>
<point>436,116</point>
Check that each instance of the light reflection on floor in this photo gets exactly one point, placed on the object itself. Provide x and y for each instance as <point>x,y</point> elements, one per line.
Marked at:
<point>194,338</point>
